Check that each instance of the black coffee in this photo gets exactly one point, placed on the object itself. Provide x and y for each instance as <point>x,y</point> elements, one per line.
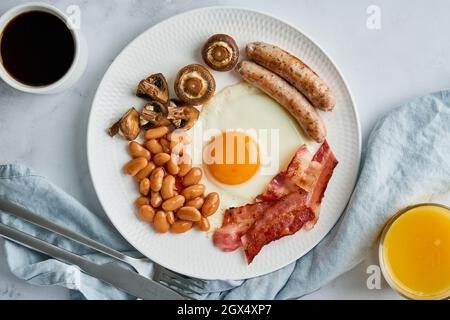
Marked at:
<point>37,48</point>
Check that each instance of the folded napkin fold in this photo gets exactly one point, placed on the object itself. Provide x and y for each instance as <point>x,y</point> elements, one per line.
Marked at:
<point>407,160</point>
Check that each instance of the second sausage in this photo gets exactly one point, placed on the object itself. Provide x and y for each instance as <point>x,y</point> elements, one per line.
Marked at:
<point>294,71</point>
<point>286,95</point>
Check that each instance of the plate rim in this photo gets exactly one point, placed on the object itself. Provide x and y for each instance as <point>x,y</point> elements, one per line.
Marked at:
<point>250,10</point>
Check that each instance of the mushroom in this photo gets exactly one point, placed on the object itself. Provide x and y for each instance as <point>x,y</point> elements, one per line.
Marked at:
<point>194,84</point>
<point>127,126</point>
<point>154,88</point>
<point>154,114</point>
<point>183,117</point>
<point>221,52</point>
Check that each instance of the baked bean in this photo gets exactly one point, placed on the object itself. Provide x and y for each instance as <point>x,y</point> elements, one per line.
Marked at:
<point>156,179</point>
<point>165,145</point>
<point>134,166</point>
<point>212,202</point>
<point>173,203</point>
<point>194,191</point>
<point>168,154</point>
<point>154,146</point>
<point>161,158</point>
<point>168,187</point>
<point>136,150</point>
<point>145,173</point>
<point>172,166</point>
<point>185,165</point>
<point>141,201</point>
<point>155,133</point>
<point>160,222</point>
<point>181,226</point>
<point>147,213</point>
<point>170,217</point>
<point>155,199</point>
<point>203,224</point>
<point>197,203</point>
<point>192,177</point>
<point>189,214</point>
<point>144,186</point>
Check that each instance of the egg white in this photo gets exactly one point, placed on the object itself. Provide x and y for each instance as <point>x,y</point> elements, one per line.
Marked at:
<point>243,107</point>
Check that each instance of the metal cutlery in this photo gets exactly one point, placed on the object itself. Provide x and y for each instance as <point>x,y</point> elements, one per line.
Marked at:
<point>142,266</point>
<point>118,277</point>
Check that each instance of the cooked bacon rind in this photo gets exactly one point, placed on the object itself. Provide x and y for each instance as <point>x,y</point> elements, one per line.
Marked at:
<point>298,166</point>
<point>228,238</point>
<point>278,187</point>
<point>283,218</point>
<point>236,222</point>
<point>288,181</point>
<point>249,212</point>
<point>327,162</point>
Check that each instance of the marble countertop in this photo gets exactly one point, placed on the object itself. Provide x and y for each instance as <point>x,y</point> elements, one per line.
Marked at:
<point>405,57</point>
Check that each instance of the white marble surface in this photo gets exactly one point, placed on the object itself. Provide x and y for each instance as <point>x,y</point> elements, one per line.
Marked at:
<point>407,57</point>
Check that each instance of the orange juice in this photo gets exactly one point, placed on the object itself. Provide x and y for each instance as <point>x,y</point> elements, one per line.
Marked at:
<point>415,252</point>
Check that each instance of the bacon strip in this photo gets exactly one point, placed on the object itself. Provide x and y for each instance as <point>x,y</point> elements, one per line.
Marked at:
<point>236,222</point>
<point>319,172</point>
<point>291,200</point>
<point>285,217</point>
<point>286,181</point>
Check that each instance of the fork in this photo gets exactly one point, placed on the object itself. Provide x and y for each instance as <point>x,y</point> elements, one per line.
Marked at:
<point>142,266</point>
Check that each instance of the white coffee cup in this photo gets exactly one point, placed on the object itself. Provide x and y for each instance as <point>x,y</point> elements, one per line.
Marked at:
<point>80,58</point>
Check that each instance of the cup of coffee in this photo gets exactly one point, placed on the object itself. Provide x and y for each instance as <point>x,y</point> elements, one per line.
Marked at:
<point>40,50</point>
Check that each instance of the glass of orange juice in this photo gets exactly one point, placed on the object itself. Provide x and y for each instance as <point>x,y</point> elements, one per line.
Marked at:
<point>414,252</point>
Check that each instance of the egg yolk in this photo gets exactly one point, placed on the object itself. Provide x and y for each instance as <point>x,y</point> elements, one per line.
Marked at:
<point>232,157</point>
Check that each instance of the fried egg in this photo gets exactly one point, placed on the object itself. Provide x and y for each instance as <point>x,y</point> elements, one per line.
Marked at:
<point>247,138</point>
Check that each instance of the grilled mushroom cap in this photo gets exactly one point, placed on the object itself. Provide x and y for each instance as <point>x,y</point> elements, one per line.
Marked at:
<point>221,52</point>
<point>154,114</point>
<point>194,84</point>
<point>127,126</point>
<point>183,117</point>
<point>154,88</point>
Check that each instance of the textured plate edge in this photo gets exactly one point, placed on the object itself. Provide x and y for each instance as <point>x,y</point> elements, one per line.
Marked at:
<point>189,12</point>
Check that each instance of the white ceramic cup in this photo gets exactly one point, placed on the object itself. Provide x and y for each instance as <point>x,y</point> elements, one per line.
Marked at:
<point>79,62</point>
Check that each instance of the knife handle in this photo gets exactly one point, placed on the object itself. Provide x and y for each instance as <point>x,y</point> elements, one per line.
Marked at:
<point>29,216</point>
<point>36,244</point>
<point>141,287</point>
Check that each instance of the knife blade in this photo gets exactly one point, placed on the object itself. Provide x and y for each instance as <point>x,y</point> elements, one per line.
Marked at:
<point>126,280</point>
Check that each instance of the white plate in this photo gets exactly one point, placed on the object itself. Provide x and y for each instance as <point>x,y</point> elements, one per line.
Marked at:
<point>166,48</point>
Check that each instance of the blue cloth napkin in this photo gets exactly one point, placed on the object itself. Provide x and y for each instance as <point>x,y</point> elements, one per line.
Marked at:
<point>407,160</point>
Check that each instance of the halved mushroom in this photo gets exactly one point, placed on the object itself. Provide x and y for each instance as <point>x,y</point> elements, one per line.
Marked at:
<point>154,88</point>
<point>154,114</point>
<point>183,117</point>
<point>194,84</point>
<point>127,126</point>
<point>221,52</point>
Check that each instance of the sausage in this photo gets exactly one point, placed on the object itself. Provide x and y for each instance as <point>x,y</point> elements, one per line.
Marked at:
<point>286,95</point>
<point>295,72</point>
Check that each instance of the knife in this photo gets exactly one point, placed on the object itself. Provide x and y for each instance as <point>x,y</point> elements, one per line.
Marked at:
<point>111,273</point>
<point>27,215</point>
